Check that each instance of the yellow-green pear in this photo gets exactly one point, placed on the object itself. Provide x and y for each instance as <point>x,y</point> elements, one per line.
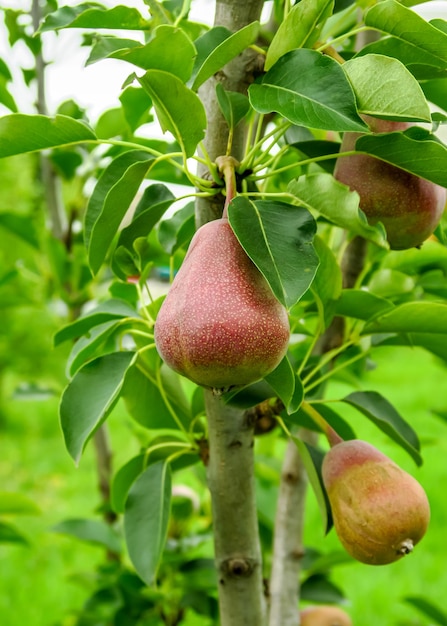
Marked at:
<point>380,511</point>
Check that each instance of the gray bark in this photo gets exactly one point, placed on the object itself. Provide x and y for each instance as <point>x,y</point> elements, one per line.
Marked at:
<point>231,433</point>
<point>235,76</point>
<point>50,180</point>
<point>232,484</point>
<point>288,548</point>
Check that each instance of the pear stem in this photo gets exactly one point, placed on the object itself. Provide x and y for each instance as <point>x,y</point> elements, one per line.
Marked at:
<point>227,168</point>
<point>332,437</point>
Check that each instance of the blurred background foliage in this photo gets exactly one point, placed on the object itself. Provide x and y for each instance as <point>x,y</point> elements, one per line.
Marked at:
<point>59,573</point>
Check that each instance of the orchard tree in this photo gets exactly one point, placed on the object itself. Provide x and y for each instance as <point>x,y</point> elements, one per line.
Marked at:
<point>317,179</point>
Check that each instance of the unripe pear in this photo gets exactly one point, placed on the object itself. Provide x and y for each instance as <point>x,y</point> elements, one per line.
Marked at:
<point>324,616</point>
<point>409,207</point>
<point>380,512</point>
<point>221,325</point>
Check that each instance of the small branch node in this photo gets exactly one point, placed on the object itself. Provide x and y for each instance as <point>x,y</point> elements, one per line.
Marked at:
<point>238,567</point>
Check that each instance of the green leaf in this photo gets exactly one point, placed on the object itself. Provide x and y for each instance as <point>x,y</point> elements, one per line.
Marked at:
<point>91,531</point>
<point>319,148</point>
<point>411,317</point>
<point>110,310</point>
<point>406,26</point>
<point>110,201</point>
<point>234,105</point>
<point>4,70</point>
<point>319,588</point>
<point>328,280</point>
<point>436,91</point>
<point>111,123</point>
<point>123,479</point>
<point>177,231</point>
<point>278,239</point>
<point>90,397</point>
<point>86,347</point>
<point>308,89</point>
<point>338,423</point>
<point>154,202</point>
<point>17,504</point>
<point>104,46</point>
<point>136,105</point>
<point>388,283</point>
<point>230,48</point>
<point>10,534</point>
<point>146,519</point>
<point>169,50</point>
<point>66,161</point>
<point>286,385</point>
<point>313,459</point>
<point>5,96</point>
<point>361,304</point>
<point>151,396</point>
<point>300,29</point>
<point>434,343</point>
<point>415,151</point>
<point>376,79</point>
<point>159,450</point>
<point>29,133</point>
<point>21,226</point>
<point>206,43</point>
<point>377,409</point>
<point>94,15</point>
<point>429,609</point>
<point>420,63</point>
<point>334,201</point>
<point>179,110</point>
<point>249,396</point>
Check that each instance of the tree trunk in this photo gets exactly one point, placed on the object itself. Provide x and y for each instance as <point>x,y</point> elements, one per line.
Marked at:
<point>231,436</point>
<point>235,76</point>
<point>232,484</point>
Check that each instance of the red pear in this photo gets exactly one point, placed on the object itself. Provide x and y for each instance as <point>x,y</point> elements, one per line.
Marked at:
<point>409,207</point>
<point>380,512</point>
<point>221,325</point>
<point>324,616</point>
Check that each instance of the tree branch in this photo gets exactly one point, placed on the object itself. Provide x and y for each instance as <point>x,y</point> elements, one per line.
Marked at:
<point>235,76</point>
<point>288,546</point>
<point>50,180</point>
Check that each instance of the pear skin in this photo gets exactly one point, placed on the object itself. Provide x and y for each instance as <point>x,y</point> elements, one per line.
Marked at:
<point>409,207</point>
<point>380,511</point>
<point>221,325</point>
<point>324,616</point>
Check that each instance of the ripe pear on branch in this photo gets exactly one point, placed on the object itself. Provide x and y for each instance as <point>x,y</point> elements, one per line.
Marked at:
<point>380,511</point>
<point>408,206</point>
<point>221,325</point>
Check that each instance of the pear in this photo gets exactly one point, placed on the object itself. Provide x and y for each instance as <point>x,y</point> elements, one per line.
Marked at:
<point>409,207</point>
<point>324,616</point>
<point>220,324</point>
<point>380,512</point>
